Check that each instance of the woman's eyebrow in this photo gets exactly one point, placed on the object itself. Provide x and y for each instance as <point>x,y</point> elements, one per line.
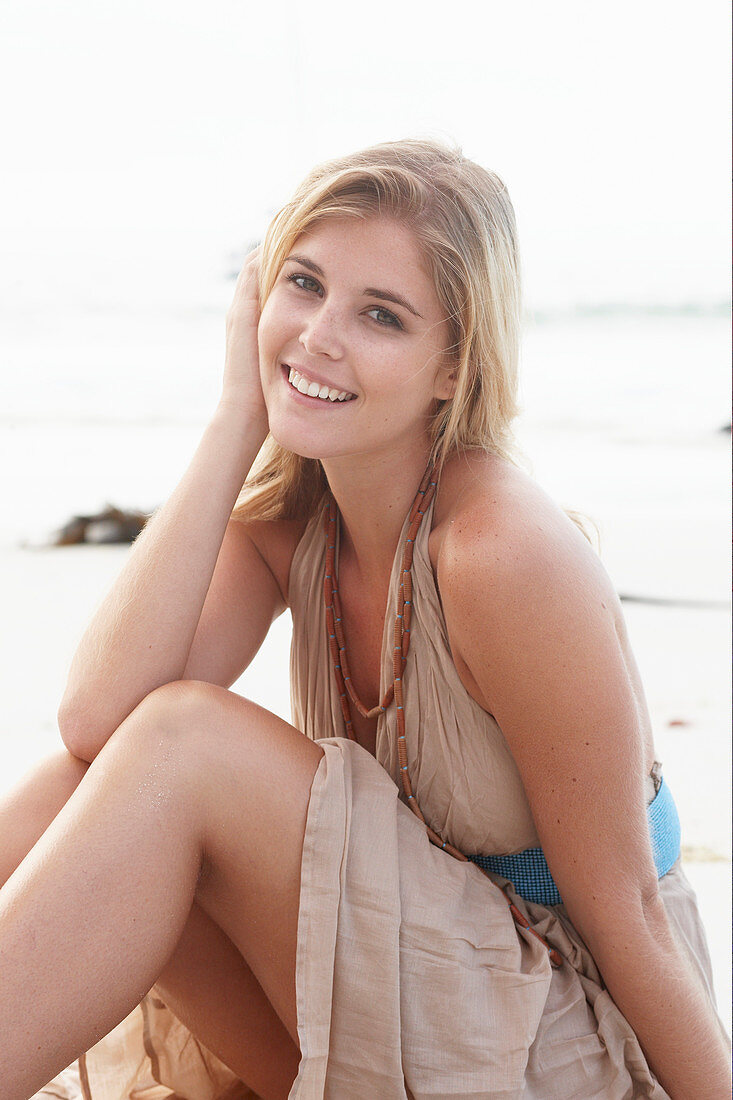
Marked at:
<point>369,291</point>
<point>305,262</point>
<point>388,296</point>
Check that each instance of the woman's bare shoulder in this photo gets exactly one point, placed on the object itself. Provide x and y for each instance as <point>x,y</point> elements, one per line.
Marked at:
<point>482,496</point>
<point>494,525</point>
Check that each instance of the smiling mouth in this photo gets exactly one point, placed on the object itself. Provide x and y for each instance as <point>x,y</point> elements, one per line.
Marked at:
<point>314,389</point>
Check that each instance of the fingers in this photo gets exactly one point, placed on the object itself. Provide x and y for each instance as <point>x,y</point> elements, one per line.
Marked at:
<point>248,282</point>
<point>251,262</point>
<point>245,304</point>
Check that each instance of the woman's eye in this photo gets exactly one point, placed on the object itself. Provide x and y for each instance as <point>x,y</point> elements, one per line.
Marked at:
<point>384,317</point>
<point>305,282</point>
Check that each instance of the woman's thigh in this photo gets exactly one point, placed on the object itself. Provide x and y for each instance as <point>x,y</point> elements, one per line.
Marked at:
<point>208,985</point>
<point>254,774</point>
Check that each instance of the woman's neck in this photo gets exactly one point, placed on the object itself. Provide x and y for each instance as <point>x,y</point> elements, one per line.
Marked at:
<point>373,497</point>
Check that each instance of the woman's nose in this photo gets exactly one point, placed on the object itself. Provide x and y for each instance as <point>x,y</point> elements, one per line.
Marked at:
<point>321,334</point>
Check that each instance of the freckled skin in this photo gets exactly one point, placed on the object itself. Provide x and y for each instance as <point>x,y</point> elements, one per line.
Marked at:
<point>331,329</point>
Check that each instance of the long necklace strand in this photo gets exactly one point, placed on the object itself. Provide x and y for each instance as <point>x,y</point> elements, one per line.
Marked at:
<point>347,691</point>
<point>337,642</point>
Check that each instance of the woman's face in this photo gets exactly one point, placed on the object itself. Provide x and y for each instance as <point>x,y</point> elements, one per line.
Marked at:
<point>353,311</point>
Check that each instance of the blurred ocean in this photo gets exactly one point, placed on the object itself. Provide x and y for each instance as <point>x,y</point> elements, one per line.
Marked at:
<point>624,418</point>
<point>149,145</point>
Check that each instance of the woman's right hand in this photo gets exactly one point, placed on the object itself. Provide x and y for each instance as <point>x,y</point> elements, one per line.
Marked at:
<point>242,388</point>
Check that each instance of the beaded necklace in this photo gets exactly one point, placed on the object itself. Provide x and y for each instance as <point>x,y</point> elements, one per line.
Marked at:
<point>347,691</point>
<point>337,642</point>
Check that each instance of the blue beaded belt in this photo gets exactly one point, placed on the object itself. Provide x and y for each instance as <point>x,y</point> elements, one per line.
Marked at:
<point>530,875</point>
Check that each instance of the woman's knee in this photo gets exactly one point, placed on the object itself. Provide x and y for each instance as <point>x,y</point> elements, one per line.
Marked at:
<point>183,707</point>
<point>174,722</point>
<point>202,736</point>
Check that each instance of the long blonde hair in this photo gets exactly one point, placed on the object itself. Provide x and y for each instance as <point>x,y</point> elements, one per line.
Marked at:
<point>464,221</point>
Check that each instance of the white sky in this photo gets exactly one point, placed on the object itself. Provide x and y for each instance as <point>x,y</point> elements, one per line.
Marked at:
<point>137,128</point>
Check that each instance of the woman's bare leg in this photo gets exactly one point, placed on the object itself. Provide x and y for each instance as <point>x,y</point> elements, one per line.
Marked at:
<point>211,989</point>
<point>28,809</point>
<point>206,983</point>
<point>184,785</point>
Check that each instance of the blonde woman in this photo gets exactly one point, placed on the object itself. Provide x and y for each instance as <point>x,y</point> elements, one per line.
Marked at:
<point>300,895</point>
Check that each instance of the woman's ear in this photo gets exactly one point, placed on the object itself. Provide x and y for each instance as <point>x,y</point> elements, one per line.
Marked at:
<point>446,381</point>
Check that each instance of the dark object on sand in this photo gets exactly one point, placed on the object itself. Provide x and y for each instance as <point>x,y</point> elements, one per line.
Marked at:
<point>109,526</point>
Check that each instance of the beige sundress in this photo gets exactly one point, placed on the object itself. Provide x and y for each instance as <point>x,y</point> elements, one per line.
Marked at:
<point>413,981</point>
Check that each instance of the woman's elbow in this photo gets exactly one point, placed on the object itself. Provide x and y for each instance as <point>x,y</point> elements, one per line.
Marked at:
<point>76,734</point>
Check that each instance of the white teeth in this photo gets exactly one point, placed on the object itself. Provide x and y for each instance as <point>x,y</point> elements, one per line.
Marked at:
<point>314,389</point>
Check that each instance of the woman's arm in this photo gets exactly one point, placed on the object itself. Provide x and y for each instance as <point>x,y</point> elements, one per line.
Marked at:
<point>141,635</point>
<point>533,615</point>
